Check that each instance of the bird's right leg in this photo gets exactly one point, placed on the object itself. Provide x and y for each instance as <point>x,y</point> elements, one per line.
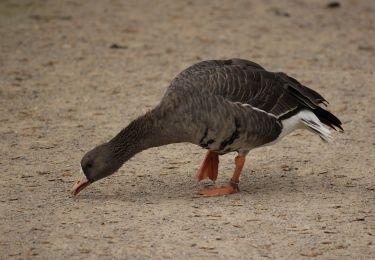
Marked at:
<point>209,167</point>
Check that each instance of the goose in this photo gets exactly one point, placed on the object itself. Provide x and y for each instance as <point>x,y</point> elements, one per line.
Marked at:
<point>223,106</point>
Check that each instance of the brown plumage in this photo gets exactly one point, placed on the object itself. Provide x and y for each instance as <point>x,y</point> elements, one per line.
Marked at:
<point>223,106</point>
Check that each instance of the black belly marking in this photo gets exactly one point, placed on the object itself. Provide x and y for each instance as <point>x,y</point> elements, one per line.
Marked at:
<point>204,136</point>
<point>233,137</point>
<point>204,143</point>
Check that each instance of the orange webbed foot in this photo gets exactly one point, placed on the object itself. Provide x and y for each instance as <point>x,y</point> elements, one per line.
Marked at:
<point>226,190</point>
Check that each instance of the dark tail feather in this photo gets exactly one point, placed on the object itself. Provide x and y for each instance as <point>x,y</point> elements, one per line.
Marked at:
<point>312,99</point>
<point>328,118</point>
<point>303,91</point>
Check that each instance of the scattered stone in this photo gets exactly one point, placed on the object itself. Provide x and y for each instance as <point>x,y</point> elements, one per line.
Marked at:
<point>280,12</point>
<point>333,5</point>
<point>207,247</point>
<point>311,253</point>
<point>49,63</point>
<point>358,219</point>
<point>286,168</point>
<point>366,48</point>
<point>18,158</point>
<point>67,174</point>
<point>47,18</point>
<point>25,176</point>
<point>43,172</point>
<point>118,46</point>
<point>84,251</point>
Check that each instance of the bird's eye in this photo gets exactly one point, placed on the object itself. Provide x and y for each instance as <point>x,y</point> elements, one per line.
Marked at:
<point>89,165</point>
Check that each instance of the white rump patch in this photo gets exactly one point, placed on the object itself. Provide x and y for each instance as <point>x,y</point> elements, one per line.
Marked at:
<point>305,119</point>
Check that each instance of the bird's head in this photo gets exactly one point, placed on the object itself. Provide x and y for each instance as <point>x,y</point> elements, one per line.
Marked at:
<point>107,158</point>
<point>98,163</point>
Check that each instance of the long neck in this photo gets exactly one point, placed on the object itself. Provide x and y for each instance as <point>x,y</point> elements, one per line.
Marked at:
<point>147,131</point>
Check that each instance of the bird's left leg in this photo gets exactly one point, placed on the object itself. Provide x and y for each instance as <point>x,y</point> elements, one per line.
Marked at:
<point>234,181</point>
<point>209,167</point>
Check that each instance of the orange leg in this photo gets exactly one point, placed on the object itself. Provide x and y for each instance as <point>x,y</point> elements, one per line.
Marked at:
<point>209,167</point>
<point>233,184</point>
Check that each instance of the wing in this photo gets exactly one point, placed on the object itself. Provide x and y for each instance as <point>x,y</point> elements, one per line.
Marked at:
<point>209,64</point>
<point>248,83</point>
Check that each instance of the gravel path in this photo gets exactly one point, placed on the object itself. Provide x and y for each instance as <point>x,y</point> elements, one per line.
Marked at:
<point>73,73</point>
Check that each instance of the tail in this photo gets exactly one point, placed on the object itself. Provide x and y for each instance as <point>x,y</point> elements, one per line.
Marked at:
<point>313,117</point>
<point>316,119</point>
<point>328,118</point>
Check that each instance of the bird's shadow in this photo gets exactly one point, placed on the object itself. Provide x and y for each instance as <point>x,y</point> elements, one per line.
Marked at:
<point>151,189</point>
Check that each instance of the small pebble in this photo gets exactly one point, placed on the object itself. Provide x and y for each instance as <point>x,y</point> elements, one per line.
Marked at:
<point>333,5</point>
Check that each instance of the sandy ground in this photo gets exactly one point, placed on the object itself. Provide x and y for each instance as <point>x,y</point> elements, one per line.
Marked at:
<point>63,90</point>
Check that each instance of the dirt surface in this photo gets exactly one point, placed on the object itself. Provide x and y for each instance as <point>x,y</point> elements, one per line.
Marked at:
<point>63,90</point>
